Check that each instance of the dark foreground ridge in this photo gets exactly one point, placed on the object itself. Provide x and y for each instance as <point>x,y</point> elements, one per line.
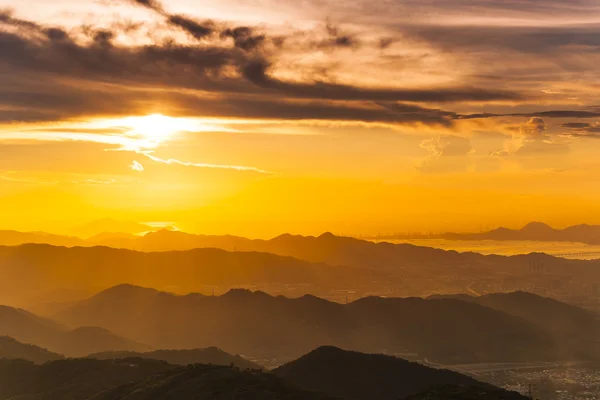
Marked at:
<point>359,376</point>
<point>326,373</point>
<point>210,355</point>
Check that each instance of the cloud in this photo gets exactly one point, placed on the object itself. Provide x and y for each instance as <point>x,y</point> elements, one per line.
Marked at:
<point>447,153</point>
<point>533,148</point>
<point>47,73</point>
<point>171,161</point>
<point>582,130</point>
<point>136,166</point>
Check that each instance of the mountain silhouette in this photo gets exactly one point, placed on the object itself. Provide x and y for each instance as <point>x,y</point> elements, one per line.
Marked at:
<point>13,349</point>
<point>535,231</point>
<point>71,379</point>
<point>29,328</point>
<point>96,268</point>
<point>210,355</point>
<point>207,382</point>
<point>287,328</point>
<point>357,376</point>
<point>564,322</point>
<point>327,265</point>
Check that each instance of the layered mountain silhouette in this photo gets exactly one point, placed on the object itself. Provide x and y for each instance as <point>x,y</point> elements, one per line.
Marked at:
<point>32,269</point>
<point>358,376</point>
<point>29,328</point>
<point>325,373</point>
<point>535,231</point>
<point>442,330</point>
<point>210,355</point>
<point>71,379</point>
<point>13,349</point>
<point>324,265</point>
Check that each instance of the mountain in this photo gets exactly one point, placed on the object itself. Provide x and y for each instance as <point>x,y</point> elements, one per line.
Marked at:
<point>536,231</point>
<point>13,349</point>
<point>29,328</point>
<point>566,323</point>
<point>71,379</point>
<point>286,328</point>
<point>358,376</point>
<point>466,392</point>
<point>206,382</point>
<point>210,355</point>
<point>14,238</point>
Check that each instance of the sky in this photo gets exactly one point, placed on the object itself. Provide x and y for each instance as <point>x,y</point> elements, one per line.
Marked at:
<point>261,117</point>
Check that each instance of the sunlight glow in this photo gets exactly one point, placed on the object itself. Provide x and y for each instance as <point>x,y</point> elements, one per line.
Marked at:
<point>157,127</point>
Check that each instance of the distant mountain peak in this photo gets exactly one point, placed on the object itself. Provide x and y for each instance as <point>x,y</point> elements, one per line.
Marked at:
<point>327,235</point>
<point>537,224</point>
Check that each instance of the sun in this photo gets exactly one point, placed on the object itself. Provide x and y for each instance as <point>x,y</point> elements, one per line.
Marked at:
<point>155,127</point>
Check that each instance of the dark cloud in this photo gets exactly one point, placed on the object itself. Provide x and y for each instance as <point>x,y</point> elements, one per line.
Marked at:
<point>244,37</point>
<point>151,4</point>
<point>337,38</point>
<point>543,114</point>
<point>52,75</point>
<point>582,130</point>
<point>257,72</point>
<point>192,27</point>
<point>576,125</point>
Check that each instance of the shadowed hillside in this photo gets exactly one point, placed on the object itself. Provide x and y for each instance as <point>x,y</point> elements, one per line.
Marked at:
<point>211,355</point>
<point>279,326</point>
<point>358,376</point>
<point>573,325</point>
<point>210,382</point>
<point>72,379</point>
<point>13,349</point>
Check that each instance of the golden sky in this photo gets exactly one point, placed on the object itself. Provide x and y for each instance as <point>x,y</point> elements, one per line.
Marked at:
<point>262,117</point>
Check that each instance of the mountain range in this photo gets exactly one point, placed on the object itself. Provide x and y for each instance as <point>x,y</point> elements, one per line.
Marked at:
<point>328,266</point>
<point>325,373</point>
<point>285,328</point>
<point>534,231</point>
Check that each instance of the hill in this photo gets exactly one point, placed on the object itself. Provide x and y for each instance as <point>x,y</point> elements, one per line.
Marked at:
<point>13,349</point>
<point>72,379</point>
<point>287,328</point>
<point>29,328</point>
<point>358,376</point>
<point>567,323</point>
<point>211,355</point>
<point>210,382</point>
